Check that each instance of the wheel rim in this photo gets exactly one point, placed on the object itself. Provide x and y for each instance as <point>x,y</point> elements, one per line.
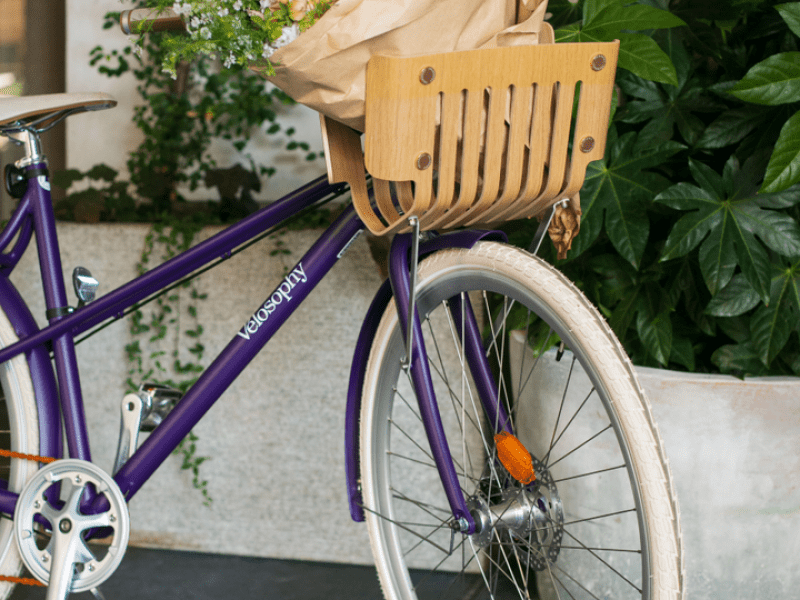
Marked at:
<point>413,531</point>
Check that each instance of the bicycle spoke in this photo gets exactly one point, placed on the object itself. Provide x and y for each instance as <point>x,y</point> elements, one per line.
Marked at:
<point>560,435</point>
<point>581,445</point>
<point>499,356</point>
<point>560,408</point>
<point>585,547</point>
<point>408,404</point>
<point>619,512</point>
<point>489,452</point>
<point>496,325</point>
<point>422,505</point>
<point>602,549</point>
<point>453,395</point>
<point>535,362</point>
<point>439,564</point>
<point>589,473</point>
<point>578,583</point>
<point>553,580</point>
<point>425,539</point>
<point>403,527</point>
<point>425,452</point>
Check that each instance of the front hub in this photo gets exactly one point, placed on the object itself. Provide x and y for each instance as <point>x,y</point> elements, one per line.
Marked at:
<point>530,516</point>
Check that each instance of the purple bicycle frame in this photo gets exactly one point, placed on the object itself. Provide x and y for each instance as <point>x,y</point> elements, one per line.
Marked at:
<point>35,213</point>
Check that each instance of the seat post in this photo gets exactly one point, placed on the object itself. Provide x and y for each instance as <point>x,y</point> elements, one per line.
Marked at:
<point>33,147</point>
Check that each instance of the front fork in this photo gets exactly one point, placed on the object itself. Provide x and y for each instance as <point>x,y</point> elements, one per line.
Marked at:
<point>401,276</point>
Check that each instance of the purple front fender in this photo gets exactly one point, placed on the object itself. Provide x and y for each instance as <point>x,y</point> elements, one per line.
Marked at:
<point>459,239</point>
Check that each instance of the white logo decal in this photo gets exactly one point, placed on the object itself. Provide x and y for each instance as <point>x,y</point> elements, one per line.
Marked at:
<point>43,182</point>
<point>283,293</point>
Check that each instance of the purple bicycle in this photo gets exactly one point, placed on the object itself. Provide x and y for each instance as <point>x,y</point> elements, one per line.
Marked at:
<point>469,343</point>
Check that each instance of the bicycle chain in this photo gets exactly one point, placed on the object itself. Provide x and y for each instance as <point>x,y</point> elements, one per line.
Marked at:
<point>35,458</point>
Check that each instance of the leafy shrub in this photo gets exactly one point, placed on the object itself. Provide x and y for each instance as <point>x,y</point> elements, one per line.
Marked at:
<point>689,240</point>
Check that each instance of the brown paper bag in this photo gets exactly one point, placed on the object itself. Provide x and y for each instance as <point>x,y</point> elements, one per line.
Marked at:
<point>325,68</point>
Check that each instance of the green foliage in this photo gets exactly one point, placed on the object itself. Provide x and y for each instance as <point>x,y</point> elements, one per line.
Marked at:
<point>775,81</point>
<point>690,233</point>
<point>160,332</point>
<point>237,32</point>
<point>607,20</point>
<point>179,119</point>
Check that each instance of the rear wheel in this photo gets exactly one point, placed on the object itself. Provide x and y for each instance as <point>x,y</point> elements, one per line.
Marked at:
<point>600,521</point>
<point>18,432</point>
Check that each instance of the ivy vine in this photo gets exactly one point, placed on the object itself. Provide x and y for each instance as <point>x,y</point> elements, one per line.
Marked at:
<point>159,334</point>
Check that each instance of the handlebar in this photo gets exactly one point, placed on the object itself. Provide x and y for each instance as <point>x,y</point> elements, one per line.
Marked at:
<point>134,21</point>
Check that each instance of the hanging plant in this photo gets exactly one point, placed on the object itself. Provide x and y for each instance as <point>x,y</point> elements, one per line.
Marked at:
<point>237,32</point>
<point>161,329</point>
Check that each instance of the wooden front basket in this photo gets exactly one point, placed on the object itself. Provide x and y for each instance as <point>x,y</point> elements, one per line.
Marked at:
<point>475,137</point>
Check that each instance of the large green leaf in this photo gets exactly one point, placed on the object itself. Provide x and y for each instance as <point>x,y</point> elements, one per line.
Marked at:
<point>735,299</point>
<point>790,13</point>
<point>772,324</point>
<point>726,217</point>
<point>617,192</point>
<point>773,81</point>
<point>777,230</point>
<point>655,331</point>
<point>592,8</point>
<point>731,127</point>
<point>741,359</point>
<point>718,256</point>
<point>614,17</point>
<point>640,55</point>
<point>682,352</point>
<point>666,107</point>
<point>783,169</point>
<point>689,231</point>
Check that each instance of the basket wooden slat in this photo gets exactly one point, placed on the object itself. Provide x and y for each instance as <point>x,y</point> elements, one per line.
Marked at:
<point>467,138</point>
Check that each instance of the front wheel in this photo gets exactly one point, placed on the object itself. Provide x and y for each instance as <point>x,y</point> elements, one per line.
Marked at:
<point>600,520</point>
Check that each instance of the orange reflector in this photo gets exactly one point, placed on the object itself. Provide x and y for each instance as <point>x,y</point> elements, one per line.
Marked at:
<point>514,457</point>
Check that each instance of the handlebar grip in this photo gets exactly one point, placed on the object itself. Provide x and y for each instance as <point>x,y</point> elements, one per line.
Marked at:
<point>134,20</point>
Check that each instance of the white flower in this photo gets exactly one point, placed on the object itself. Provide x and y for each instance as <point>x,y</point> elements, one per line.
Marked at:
<point>289,35</point>
<point>195,22</point>
<point>237,5</point>
<point>222,12</point>
<point>182,9</point>
<point>230,61</point>
<point>205,33</point>
<point>268,51</point>
<point>264,4</point>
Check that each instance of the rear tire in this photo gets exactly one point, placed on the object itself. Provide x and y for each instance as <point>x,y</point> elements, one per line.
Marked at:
<point>604,527</point>
<point>19,432</point>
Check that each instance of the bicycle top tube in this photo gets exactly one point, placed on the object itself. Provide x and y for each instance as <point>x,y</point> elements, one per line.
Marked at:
<point>220,245</point>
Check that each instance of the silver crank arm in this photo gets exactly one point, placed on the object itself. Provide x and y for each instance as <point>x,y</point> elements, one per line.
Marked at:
<point>130,423</point>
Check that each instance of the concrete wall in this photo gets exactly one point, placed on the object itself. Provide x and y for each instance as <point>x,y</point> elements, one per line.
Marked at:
<point>732,449</point>
<point>275,437</point>
<point>108,136</point>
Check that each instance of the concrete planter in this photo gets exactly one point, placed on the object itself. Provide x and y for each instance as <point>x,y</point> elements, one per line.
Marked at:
<point>275,438</point>
<point>733,450</point>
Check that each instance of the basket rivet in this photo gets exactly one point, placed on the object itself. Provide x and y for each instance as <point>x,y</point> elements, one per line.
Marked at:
<point>598,62</point>
<point>587,144</point>
<point>423,161</point>
<point>427,75</point>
